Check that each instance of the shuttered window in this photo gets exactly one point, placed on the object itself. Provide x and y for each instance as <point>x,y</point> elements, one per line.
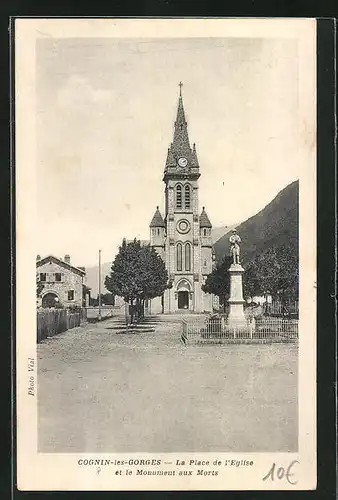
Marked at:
<point>187,196</point>
<point>179,196</point>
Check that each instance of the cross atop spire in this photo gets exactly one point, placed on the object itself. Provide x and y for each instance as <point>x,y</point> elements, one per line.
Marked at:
<point>180,86</point>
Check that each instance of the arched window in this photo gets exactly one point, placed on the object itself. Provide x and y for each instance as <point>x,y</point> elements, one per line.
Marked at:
<point>179,256</point>
<point>204,232</point>
<point>187,257</point>
<point>187,196</point>
<point>179,196</point>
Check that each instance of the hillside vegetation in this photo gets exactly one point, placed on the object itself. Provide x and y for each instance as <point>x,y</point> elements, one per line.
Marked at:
<point>270,243</point>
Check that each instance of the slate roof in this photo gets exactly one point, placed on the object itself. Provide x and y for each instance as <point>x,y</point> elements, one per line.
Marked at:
<point>157,220</point>
<point>204,219</point>
<point>194,160</point>
<point>180,147</point>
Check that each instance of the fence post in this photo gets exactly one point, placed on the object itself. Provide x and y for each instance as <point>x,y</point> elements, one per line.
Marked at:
<point>184,336</point>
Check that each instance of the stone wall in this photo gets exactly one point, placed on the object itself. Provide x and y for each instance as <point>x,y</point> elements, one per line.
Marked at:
<point>70,280</point>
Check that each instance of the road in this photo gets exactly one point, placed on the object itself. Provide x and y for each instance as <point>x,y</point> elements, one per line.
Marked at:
<point>101,390</point>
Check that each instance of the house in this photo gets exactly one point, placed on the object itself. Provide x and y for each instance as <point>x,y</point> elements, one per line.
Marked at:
<point>63,283</point>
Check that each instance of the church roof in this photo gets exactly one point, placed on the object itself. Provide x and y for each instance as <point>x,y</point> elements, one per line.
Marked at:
<point>194,160</point>
<point>180,147</point>
<point>181,143</point>
<point>157,220</point>
<point>170,158</point>
<point>204,219</point>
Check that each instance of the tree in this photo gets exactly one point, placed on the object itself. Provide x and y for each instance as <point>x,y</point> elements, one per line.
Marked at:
<point>108,299</point>
<point>39,286</point>
<point>251,283</point>
<point>218,281</point>
<point>276,270</point>
<point>137,273</point>
<point>153,276</point>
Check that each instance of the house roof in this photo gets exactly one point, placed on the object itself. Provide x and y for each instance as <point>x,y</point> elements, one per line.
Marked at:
<point>62,263</point>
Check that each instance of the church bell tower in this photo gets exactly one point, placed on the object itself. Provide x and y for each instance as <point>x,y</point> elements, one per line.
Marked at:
<point>182,237</point>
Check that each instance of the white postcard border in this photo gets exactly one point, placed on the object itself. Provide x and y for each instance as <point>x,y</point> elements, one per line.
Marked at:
<point>61,471</point>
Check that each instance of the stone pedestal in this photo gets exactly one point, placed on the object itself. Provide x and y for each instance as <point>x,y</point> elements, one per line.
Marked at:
<point>236,302</point>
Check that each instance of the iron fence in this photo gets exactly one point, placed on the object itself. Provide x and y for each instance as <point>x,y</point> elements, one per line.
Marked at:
<point>278,308</point>
<point>218,330</point>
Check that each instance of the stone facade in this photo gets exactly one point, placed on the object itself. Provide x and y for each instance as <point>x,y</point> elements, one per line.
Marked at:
<point>236,302</point>
<point>183,236</point>
<point>61,279</point>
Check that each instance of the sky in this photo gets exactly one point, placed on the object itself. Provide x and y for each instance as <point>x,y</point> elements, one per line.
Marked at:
<point>105,116</point>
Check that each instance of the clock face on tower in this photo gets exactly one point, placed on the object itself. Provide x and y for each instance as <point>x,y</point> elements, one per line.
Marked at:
<point>182,162</point>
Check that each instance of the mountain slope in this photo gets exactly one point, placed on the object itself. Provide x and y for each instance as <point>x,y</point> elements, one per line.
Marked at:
<point>218,232</point>
<point>275,226</point>
<point>92,278</point>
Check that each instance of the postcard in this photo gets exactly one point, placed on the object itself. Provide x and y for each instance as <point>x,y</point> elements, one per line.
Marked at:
<point>166,214</point>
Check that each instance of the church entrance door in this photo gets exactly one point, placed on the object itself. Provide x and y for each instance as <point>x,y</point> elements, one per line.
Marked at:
<point>183,300</point>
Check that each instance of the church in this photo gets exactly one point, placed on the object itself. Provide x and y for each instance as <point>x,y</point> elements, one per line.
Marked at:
<point>182,236</point>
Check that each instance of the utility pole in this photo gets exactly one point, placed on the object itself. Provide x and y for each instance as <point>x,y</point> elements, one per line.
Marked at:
<point>99,316</point>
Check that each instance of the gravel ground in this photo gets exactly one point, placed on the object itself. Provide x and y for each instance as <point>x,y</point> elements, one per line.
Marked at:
<point>100,390</point>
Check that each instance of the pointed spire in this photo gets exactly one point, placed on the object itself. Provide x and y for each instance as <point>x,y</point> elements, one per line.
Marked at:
<point>170,159</point>
<point>204,219</point>
<point>180,147</point>
<point>194,160</point>
<point>157,220</point>
<point>180,117</point>
<point>181,140</point>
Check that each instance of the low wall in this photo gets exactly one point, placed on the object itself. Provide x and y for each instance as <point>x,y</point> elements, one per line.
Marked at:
<point>106,312</point>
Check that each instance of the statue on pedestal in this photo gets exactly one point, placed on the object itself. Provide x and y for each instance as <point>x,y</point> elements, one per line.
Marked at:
<point>235,241</point>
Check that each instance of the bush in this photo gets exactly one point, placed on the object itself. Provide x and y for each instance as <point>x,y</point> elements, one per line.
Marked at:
<point>213,325</point>
<point>74,309</point>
